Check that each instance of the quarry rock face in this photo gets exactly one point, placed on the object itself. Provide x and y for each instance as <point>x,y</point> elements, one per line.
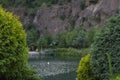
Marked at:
<point>59,18</point>
<point>53,19</point>
<point>96,14</point>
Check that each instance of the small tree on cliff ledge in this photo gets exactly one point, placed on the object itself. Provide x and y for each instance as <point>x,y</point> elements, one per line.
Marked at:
<point>13,49</point>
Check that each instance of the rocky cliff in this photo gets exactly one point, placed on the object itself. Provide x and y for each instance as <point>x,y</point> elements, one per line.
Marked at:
<point>57,18</point>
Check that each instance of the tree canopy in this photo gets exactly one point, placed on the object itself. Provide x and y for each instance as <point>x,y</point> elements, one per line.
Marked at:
<point>106,50</point>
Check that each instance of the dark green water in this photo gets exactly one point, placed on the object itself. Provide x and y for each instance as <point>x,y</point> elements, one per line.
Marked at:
<point>55,69</point>
<point>63,76</point>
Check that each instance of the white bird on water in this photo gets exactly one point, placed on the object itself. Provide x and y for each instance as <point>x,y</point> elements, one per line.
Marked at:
<point>48,63</point>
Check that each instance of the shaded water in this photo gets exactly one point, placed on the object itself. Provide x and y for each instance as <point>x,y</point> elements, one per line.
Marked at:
<point>55,69</point>
<point>64,76</point>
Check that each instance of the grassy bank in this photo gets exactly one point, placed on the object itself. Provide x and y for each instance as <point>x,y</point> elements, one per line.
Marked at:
<point>65,53</point>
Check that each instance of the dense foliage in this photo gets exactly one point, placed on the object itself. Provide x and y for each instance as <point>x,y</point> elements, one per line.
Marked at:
<point>32,36</point>
<point>13,49</point>
<point>31,6</point>
<point>31,3</point>
<point>84,71</point>
<point>90,35</point>
<point>75,38</point>
<point>44,41</point>
<point>78,38</point>
<point>106,50</point>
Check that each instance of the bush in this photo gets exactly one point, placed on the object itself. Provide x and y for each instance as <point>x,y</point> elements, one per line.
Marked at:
<point>107,42</point>
<point>84,71</point>
<point>13,49</point>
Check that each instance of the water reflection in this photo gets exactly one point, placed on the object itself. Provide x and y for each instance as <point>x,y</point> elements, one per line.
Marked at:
<point>52,68</point>
<point>64,76</point>
<point>55,69</point>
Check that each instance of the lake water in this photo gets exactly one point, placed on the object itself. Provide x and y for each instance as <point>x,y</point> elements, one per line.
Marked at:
<point>55,69</point>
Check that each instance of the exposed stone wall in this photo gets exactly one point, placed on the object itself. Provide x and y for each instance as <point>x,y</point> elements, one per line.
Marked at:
<point>62,17</point>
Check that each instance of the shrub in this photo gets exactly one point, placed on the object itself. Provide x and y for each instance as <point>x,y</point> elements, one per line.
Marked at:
<point>13,49</point>
<point>84,71</point>
<point>107,42</point>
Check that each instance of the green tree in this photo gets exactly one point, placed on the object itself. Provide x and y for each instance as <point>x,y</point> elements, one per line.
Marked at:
<point>13,49</point>
<point>59,39</point>
<point>44,41</point>
<point>107,42</point>
<point>70,37</point>
<point>84,71</point>
<point>75,38</point>
<point>80,39</point>
<point>32,36</point>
